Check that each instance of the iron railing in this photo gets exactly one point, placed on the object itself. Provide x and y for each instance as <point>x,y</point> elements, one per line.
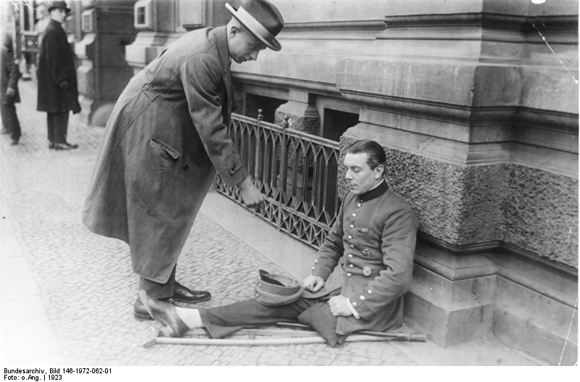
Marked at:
<point>297,172</point>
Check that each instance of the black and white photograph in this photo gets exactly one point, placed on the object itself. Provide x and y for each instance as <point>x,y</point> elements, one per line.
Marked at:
<point>292,183</point>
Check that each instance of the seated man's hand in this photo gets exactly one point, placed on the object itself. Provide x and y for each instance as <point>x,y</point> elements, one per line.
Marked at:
<point>313,283</point>
<point>339,306</point>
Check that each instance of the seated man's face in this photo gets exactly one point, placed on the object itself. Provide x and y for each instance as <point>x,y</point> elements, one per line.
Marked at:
<point>360,177</point>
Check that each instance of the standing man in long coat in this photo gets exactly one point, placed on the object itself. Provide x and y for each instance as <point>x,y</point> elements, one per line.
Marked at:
<point>165,138</point>
<point>9,96</point>
<point>57,78</point>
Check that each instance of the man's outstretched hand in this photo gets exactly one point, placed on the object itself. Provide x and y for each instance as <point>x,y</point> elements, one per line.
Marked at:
<point>251,196</point>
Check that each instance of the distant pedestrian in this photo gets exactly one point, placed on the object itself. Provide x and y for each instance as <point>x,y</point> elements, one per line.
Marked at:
<point>9,76</point>
<point>57,79</point>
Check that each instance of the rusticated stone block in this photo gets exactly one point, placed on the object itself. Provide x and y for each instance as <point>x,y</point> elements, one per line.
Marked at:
<point>540,211</point>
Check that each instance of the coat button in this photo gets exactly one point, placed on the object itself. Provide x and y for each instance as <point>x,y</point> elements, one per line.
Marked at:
<point>351,266</point>
<point>354,303</point>
<point>350,255</point>
<point>186,167</point>
<point>354,214</point>
<point>359,205</point>
<point>352,226</point>
<point>349,237</point>
<point>352,245</point>
<point>362,297</point>
<point>367,271</point>
<point>370,291</point>
<point>348,274</point>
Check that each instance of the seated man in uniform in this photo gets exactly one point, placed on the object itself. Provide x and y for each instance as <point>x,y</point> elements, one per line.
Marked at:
<point>357,282</point>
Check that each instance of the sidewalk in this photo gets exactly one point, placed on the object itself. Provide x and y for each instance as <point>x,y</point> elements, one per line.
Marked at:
<point>67,294</point>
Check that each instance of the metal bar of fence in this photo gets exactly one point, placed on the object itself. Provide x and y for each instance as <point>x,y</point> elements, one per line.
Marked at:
<point>274,154</point>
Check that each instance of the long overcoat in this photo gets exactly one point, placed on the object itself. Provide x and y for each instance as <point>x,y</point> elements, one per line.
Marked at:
<point>368,255</point>
<point>9,73</point>
<point>165,138</point>
<point>55,65</point>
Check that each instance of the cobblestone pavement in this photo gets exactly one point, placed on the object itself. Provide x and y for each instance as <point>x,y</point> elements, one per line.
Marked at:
<point>86,283</point>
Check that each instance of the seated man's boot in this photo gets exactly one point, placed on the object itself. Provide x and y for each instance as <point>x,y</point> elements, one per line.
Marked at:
<point>139,311</point>
<point>181,294</point>
<point>165,314</point>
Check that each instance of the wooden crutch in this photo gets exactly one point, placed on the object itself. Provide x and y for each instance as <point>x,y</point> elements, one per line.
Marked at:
<point>303,337</point>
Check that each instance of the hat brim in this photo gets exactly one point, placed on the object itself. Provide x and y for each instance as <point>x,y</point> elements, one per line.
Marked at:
<point>244,19</point>
<point>67,10</point>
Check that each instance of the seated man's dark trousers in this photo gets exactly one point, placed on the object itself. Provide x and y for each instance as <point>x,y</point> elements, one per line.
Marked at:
<point>225,320</point>
<point>57,124</point>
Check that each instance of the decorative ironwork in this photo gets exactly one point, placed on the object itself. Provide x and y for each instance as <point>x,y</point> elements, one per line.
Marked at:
<point>296,171</point>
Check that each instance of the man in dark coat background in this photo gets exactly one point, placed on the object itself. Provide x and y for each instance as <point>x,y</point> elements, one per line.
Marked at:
<point>166,137</point>
<point>9,96</point>
<point>57,78</point>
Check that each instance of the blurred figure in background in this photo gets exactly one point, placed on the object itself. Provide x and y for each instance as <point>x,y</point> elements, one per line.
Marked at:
<point>9,76</point>
<point>43,20</point>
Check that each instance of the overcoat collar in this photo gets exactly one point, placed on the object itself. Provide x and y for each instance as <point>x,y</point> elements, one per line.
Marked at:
<point>219,35</point>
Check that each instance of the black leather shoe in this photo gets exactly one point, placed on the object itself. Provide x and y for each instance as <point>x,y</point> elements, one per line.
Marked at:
<point>165,314</point>
<point>188,296</point>
<point>51,145</point>
<point>71,145</point>
<point>62,146</point>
